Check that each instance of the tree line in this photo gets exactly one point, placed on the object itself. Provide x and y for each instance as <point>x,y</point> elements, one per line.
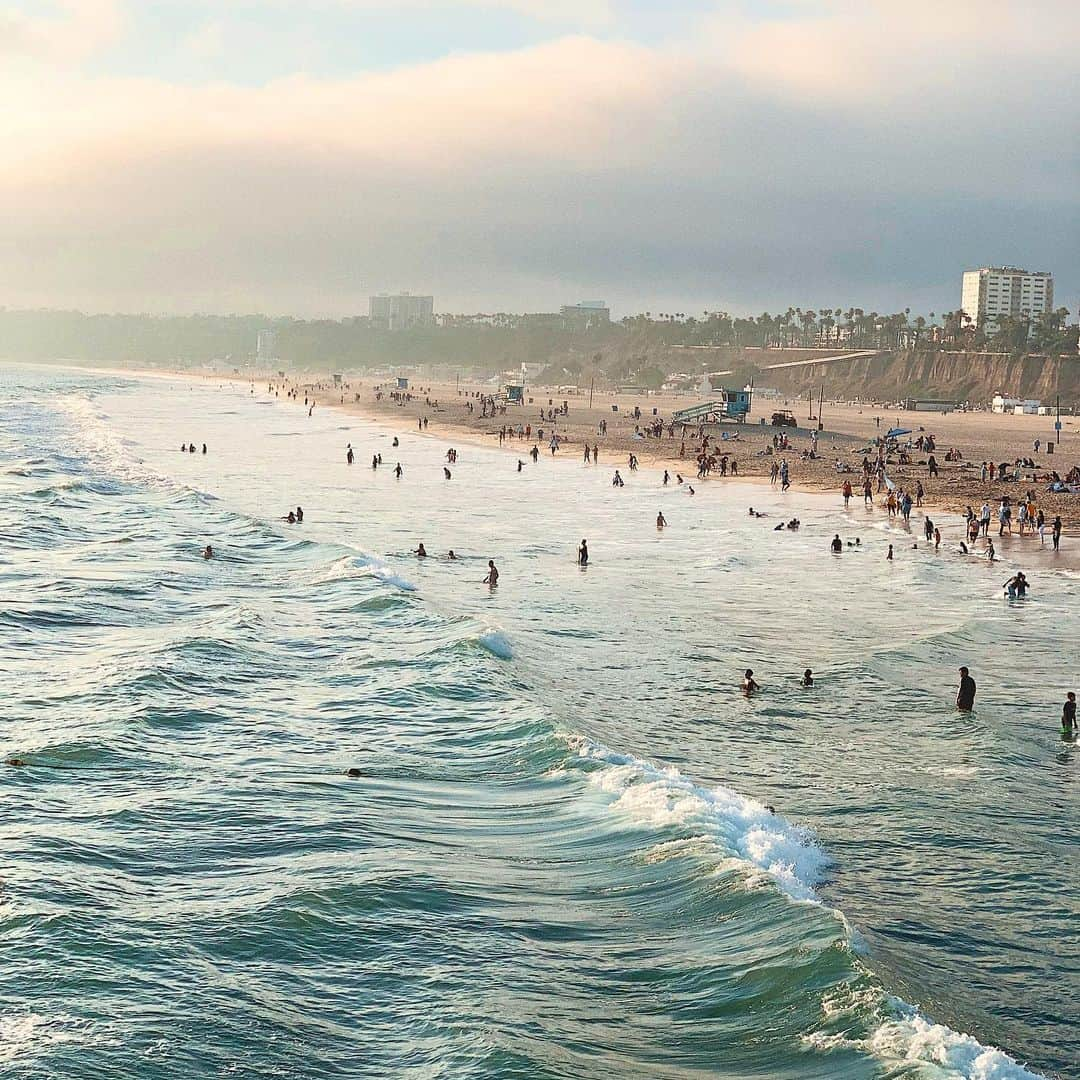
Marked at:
<point>635,348</point>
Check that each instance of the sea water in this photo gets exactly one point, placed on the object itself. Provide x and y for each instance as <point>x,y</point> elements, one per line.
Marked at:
<point>573,848</point>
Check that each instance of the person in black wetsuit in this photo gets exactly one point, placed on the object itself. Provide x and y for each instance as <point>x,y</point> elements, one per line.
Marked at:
<point>583,554</point>
<point>837,544</point>
<point>1068,716</point>
<point>965,694</point>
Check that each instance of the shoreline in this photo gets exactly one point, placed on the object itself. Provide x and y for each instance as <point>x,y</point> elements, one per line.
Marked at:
<point>616,445</point>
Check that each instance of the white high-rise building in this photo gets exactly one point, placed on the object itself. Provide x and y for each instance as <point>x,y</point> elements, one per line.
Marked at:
<point>995,291</point>
<point>400,312</point>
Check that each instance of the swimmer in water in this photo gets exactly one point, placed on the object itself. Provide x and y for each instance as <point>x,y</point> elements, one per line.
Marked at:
<point>807,678</point>
<point>290,517</point>
<point>446,473</point>
<point>299,514</point>
<point>748,684</point>
<point>1068,716</point>
<point>398,470</point>
<point>492,578</point>
<point>204,448</point>
<point>583,554</point>
<point>395,441</point>
<point>349,455</point>
<point>690,489</point>
<point>837,544</point>
<point>208,552</point>
<point>451,556</point>
<point>421,551</point>
<point>661,521</point>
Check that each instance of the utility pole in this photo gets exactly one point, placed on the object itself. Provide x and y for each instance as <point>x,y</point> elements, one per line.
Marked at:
<point>592,383</point>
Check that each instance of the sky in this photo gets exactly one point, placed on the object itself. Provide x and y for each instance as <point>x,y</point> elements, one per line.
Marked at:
<point>295,156</point>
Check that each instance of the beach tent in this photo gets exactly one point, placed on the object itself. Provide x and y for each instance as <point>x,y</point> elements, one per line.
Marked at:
<point>896,432</point>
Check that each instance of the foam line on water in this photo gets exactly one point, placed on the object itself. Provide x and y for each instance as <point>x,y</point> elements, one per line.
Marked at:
<point>742,833</point>
<point>741,829</point>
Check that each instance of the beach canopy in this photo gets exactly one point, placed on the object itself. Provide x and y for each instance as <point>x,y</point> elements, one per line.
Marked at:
<point>896,432</point>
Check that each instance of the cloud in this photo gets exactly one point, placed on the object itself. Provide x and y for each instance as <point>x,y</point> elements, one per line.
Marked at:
<point>739,168</point>
<point>76,30</point>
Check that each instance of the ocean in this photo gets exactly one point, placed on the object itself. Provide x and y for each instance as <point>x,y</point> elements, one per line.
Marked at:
<point>571,848</point>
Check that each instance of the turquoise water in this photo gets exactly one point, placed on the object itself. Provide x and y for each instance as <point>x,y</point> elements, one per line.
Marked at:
<point>558,860</point>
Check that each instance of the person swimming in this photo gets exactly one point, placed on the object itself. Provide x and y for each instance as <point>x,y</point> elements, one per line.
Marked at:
<point>451,556</point>
<point>421,551</point>
<point>748,684</point>
<point>807,678</point>
<point>492,578</point>
<point>446,473</point>
<point>290,517</point>
<point>583,554</point>
<point>208,552</point>
<point>661,521</point>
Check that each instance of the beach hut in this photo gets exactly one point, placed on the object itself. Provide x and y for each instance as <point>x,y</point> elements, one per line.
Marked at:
<point>515,394</point>
<point>402,383</point>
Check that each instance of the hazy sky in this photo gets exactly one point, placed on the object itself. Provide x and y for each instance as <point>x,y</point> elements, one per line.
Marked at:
<point>292,156</point>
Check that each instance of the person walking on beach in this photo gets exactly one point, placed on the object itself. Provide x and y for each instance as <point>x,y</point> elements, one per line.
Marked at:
<point>889,554</point>
<point>492,578</point>
<point>847,493</point>
<point>617,480</point>
<point>965,694</point>
<point>588,454</point>
<point>583,554</point>
<point>928,528</point>
<point>1068,716</point>
<point>984,519</point>
<point>867,492</point>
<point>398,470</point>
<point>1055,532</point>
<point>991,554</point>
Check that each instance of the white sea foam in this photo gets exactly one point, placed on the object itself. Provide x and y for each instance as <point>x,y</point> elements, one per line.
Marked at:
<point>357,566</point>
<point>744,832</point>
<point>740,833</point>
<point>496,643</point>
<point>25,1034</point>
<point>907,1038</point>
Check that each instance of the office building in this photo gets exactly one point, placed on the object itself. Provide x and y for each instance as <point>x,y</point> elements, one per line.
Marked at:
<point>992,292</point>
<point>587,314</point>
<point>401,312</point>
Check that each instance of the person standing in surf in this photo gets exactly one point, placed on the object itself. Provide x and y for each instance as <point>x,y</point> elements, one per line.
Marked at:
<point>1068,716</point>
<point>583,554</point>
<point>965,694</point>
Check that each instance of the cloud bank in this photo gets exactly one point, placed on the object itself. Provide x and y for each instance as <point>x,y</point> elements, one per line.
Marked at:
<point>847,153</point>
